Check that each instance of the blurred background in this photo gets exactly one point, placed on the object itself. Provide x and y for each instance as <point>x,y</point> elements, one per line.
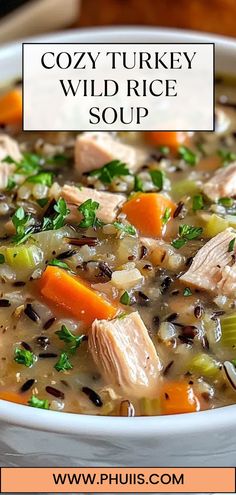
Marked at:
<point>20,18</point>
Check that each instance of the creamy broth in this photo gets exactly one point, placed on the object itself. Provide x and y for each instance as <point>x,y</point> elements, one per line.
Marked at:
<point>136,261</point>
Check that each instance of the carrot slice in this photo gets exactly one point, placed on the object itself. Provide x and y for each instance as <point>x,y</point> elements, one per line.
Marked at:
<point>73,295</point>
<point>11,107</point>
<point>146,211</point>
<point>170,139</point>
<point>178,397</point>
<point>13,397</point>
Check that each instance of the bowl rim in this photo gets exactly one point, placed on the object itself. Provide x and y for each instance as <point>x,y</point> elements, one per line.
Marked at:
<point>113,426</point>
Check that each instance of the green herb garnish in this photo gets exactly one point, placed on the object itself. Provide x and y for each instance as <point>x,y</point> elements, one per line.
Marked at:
<point>231,245</point>
<point>198,202</point>
<point>59,263</point>
<point>166,216</point>
<point>186,233</point>
<point>227,202</point>
<point>2,259</point>
<point>158,177</point>
<point>88,210</point>
<point>63,363</point>
<point>126,229</point>
<point>187,292</point>
<point>164,150</point>
<point>42,202</point>
<point>188,155</point>
<point>20,221</point>
<point>10,184</point>
<point>138,184</point>
<point>39,403</point>
<point>22,356</point>
<point>226,156</point>
<point>68,337</point>
<point>45,178</point>
<point>125,298</point>
<point>29,164</point>
<point>110,171</point>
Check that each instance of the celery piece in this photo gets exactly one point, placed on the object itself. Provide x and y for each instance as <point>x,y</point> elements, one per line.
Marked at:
<point>215,225</point>
<point>184,187</point>
<point>228,330</point>
<point>204,365</point>
<point>149,407</point>
<point>23,256</point>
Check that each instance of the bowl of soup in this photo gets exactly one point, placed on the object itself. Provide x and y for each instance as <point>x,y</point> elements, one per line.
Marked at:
<point>117,275</point>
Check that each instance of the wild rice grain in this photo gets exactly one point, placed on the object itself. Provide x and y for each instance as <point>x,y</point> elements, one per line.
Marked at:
<point>46,355</point>
<point>31,313</point>
<point>27,385</point>
<point>4,303</point>
<point>55,392</point>
<point>49,323</point>
<point>93,396</point>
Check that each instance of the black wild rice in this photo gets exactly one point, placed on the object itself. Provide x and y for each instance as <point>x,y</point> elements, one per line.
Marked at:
<point>27,385</point>
<point>55,392</point>
<point>43,341</point>
<point>93,396</point>
<point>198,311</point>
<point>18,284</point>
<point>26,346</point>
<point>172,317</point>
<point>105,269</point>
<point>46,355</point>
<point>83,241</point>
<point>143,251</point>
<point>66,254</point>
<point>49,323</point>
<point>31,313</point>
<point>178,209</point>
<point>4,303</point>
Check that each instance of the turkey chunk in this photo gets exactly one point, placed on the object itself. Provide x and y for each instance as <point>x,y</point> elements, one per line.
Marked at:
<point>108,202</point>
<point>125,355</point>
<point>8,147</point>
<point>222,184</point>
<point>93,150</point>
<point>212,265</point>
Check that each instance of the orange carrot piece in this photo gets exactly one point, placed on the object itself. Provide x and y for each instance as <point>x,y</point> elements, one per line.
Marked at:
<point>13,397</point>
<point>170,139</point>
<point>11,107</point>
<point>73,295</point>
<point>178,397</point>
<point>146,211</point>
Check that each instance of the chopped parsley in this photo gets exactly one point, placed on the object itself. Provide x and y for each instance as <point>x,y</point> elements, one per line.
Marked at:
<point>29,164</point>
<point>138,184</point>
<point>158,178</point>
<point>21,221</point>
<point>2,258</point>
<point>22,356</point>
<point>68,337</point>
<point>58,219</point>
<point>226,156</point>
<point>125,298</point>
<point>42,202</point>
<point>187,292</point>
<point>231,245</point>
<point>186,233</point>
<point>164,150</point>
<point>63,363</point>
<point>39,403</point>
<point>227,202</point>
<point>126,229</point>
<point>45,178</point>
<point>59,263</point>
<point>88,210</point>
<point>110,171</point>
<point>10,184</point>
<point>166,216</point>
<point>188,155</point>
<point>198,202</point>
<point>233,361</point>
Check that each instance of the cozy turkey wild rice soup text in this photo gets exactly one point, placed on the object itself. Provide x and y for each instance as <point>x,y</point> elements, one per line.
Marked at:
<point>117,266</point>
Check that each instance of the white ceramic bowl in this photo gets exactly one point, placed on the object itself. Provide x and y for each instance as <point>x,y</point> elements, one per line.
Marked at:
<point>34,437</point>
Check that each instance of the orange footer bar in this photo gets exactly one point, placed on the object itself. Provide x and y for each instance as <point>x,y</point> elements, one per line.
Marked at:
<point>117,480</point>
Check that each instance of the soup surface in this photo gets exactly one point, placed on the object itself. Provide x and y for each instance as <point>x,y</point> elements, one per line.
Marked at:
<point>117,267</point>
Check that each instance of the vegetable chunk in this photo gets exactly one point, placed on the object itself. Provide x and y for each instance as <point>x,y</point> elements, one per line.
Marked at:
<point>222,184</point>
<point>73,295</point>
<point>211,265</point>
<point>125,355</point>
<point>11,107</point>
<point>108,202</point>
<point>93,150</point>
<point>149,213</point>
